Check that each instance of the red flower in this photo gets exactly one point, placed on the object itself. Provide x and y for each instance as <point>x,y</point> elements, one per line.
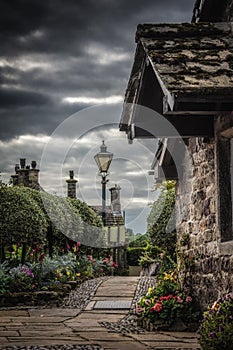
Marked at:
<point>157,307</point>
<point>114,265</point>
<point>167,297</point>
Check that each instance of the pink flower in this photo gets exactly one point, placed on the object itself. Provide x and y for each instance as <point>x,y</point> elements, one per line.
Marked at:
<point>179,300</point>
<point>138,309</point>
<point>157,307</point>
<point>188,299</point>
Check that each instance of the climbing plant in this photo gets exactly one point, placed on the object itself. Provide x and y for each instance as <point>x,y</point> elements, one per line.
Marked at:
<point>160,223</point>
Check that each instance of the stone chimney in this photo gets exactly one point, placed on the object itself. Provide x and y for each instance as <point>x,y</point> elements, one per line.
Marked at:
<point>22,172</point>
<point>26,175</point>
<point>71,185</point>
<point>33,176</point>
<point>115,198</point>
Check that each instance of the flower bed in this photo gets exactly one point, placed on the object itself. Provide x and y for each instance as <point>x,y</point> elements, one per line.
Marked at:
<point>166,306</point>
<point>216,329</point>
<point>48,280</point>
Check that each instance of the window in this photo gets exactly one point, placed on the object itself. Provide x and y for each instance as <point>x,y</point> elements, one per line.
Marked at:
<point>225,187</point>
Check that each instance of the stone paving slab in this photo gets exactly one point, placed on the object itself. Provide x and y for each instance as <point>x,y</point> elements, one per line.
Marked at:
<point>123,345</point>
<point>106,297</point>
<point>13,313</point>
<point>112,312</point>
<point>113,304</point>
<point>40,319</point>
<point>104,336</point>
<point>69,312</point>
<point>46,333</point>
<point>9,333</point>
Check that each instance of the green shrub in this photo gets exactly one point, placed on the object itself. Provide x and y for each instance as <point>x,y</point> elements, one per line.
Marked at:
<point>4,278</point>
<point>216,329</point>
<point>22,279</point>
<point>133,255</point>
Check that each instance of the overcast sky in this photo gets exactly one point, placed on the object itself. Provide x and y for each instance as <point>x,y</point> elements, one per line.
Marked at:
<point>58,58</point>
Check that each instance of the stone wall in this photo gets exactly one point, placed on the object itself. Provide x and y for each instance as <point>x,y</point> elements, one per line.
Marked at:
<point>197,208</point>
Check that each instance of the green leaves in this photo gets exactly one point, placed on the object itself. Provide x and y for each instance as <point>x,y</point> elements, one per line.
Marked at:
<point>216,329</point>
<point>21,218</point>
<point>34,219</point>
<point>161,217</point>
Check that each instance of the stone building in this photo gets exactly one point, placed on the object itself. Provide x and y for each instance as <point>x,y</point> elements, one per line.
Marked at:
<point>114,220</point>
<point>26,175</point>
<point>184,73</point>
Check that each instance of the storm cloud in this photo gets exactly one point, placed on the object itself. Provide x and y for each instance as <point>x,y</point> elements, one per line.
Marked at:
<point>58,57</point>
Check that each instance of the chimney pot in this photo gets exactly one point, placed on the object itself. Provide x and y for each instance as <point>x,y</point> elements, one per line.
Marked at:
<point>22,163</point>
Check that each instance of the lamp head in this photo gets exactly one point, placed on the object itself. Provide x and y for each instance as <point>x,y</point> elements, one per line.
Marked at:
<point>103,159</point>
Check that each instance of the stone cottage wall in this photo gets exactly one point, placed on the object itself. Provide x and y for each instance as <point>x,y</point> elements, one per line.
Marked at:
<point>197,216</point>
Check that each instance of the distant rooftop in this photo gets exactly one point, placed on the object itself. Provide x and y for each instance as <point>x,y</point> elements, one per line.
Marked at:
<point>112,218</point>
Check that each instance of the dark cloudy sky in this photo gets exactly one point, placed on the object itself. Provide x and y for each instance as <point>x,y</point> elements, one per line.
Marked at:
<point>59,57</point>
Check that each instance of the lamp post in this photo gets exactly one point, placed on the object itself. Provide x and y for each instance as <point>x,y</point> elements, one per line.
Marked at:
<point>103,160</point>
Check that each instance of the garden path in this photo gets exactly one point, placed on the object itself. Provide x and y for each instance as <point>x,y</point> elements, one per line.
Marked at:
<point>43,328</point>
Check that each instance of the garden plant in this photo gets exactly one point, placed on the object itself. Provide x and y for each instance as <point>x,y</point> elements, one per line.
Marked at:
<point>216,329</point>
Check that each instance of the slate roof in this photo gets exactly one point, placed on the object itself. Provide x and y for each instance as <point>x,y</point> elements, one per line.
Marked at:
<point>192,64</point>
<point>112,218</point>
<point>192,58</point>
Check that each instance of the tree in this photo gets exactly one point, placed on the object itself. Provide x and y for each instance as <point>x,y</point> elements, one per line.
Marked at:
<point>162,217</point>
<point>93,234</point>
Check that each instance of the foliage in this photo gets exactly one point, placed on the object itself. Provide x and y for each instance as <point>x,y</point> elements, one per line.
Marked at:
<point>186,260</point>
<point>87,214</point>
<point>166,303</point>
<point>216,329</point>
<point>160,218</point>
<point>138,240</point>
<point>50,272</point>
<point>155,254</point>
<point>22,219</point>
<point>92,233</point>
<point>14,253</point>
<point>60,269</point>
<point>4,278</point>
<point>133,255</point>
<point>21,279</point>
<point>34,222</point>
